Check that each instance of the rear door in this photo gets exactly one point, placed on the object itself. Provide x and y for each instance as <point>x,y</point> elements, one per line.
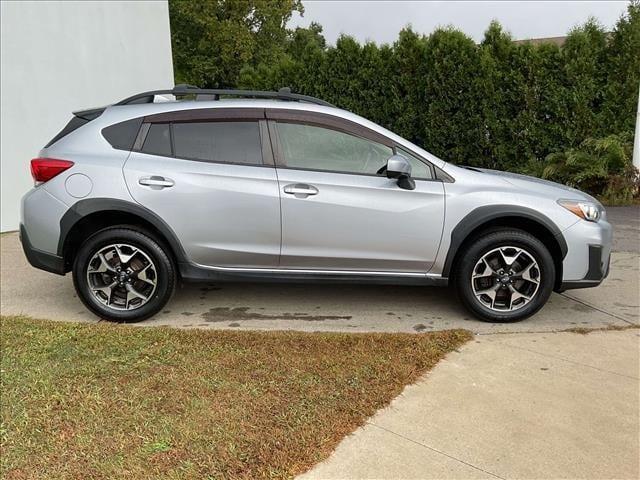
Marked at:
<point>337,213</point>
<point>210,175</point>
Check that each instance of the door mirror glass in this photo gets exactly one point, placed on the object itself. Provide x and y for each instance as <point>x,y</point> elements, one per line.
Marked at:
<point>400,168</point>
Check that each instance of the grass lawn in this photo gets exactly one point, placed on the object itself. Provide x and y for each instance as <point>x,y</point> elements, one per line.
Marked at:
<point>115,401</point>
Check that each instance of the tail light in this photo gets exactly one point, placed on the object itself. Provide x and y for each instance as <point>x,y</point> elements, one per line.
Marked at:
<point>44,169</point>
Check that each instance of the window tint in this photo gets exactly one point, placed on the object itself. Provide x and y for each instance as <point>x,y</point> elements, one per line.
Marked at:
<point>317,148</point>
<point>231,142</point>
<point>158,140</point>
<point>419,169</point>
<point>123,134</point>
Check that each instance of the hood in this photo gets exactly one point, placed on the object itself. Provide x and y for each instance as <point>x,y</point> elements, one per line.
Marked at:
<point>545,187</point>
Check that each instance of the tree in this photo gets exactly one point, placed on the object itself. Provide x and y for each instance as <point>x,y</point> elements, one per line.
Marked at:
<point>212,41</point>
<point>455,95</point>
<point>410,69</point>
<point>584,66</point>
<point>623,67</point>
<point>500,104</point>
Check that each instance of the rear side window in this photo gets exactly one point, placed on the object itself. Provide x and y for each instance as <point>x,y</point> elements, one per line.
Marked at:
<point>158,140</point>
<point>228,142</point>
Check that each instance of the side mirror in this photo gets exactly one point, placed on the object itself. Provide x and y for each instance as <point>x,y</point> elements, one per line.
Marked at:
<point>400,168</point>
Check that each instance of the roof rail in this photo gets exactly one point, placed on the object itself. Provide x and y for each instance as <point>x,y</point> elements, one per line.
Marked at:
<point>184,90</point>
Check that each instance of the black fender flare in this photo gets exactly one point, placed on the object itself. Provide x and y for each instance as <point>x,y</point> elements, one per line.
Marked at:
<point>82,208</point>
<point>485,214</point>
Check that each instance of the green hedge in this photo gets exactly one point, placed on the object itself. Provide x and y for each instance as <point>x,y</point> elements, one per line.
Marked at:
<point>495,104</point>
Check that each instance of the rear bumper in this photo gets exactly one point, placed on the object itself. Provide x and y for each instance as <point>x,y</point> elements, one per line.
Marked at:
<point>597,271</point>
<point>39,259</point>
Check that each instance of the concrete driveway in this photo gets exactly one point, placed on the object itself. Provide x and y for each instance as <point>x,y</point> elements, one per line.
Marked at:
<point>354,308</point>
<point>523,405</point>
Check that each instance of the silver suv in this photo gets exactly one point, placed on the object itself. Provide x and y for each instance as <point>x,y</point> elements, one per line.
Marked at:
<point>230,185</point>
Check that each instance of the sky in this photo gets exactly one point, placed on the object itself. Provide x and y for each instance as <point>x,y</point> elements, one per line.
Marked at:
<point>380,21</point>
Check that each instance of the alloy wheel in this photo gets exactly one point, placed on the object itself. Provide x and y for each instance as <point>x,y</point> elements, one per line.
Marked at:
<point>506,278</point>
<point>122,276</point>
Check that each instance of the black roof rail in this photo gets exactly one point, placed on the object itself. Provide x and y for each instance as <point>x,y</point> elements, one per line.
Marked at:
<point>215,93</point>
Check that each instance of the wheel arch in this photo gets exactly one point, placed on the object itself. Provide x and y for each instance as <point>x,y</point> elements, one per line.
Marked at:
<point>506,216</point>
<point>89,216</point>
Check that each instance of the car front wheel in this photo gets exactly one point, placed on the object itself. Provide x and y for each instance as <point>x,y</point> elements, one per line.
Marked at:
<point>123,275</point>
<point>505,275</point>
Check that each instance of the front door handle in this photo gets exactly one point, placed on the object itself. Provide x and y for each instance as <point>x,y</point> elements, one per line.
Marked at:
<point>156,181</point>
<point>300,190</point>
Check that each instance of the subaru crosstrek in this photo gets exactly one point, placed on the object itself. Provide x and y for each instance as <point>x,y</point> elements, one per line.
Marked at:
<point>230,185</point>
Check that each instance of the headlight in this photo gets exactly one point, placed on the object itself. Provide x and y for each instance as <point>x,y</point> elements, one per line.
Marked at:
<point>585,210</point>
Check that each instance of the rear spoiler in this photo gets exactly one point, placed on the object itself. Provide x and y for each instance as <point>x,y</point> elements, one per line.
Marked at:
<point>80,118</point>
<point>90,114</point>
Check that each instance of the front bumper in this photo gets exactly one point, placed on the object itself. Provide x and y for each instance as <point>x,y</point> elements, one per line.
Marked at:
<point>38,258</point>
<point>597,271</point>
<point>589,253</point>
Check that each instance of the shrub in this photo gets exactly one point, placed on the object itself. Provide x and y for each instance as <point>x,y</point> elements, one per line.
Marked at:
<point>601,167</point>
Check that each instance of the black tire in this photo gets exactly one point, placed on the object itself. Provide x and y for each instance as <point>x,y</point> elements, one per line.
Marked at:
<point>163,270</point>
<point>482,245</point>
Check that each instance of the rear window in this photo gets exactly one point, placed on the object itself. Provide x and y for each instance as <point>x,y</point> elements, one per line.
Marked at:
<point>228,142</point>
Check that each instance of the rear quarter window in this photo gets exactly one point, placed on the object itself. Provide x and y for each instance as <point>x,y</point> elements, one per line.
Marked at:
<point>122,135</point>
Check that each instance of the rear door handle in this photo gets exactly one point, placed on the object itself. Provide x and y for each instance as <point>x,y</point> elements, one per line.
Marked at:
<point>300,190</point>
<point>156,181</point>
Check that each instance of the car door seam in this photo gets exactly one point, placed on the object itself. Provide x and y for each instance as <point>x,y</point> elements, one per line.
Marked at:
<point>275,168</point>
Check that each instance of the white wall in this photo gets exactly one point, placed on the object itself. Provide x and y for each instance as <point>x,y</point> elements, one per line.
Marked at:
<point>60,56</point>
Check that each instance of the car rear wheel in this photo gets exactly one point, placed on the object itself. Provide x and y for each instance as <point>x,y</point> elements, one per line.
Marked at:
<point>505,276</point>
<point>123,275</point>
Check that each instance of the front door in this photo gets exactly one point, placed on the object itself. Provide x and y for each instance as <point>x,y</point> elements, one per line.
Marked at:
<point>337,214</point>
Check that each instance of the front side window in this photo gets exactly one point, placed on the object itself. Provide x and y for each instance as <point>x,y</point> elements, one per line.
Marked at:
<point>419,169</point>
<point>228,142</point>
<point>318,148</point>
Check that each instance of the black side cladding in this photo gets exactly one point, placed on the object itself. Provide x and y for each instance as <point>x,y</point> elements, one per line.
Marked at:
<point>122,135</point>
